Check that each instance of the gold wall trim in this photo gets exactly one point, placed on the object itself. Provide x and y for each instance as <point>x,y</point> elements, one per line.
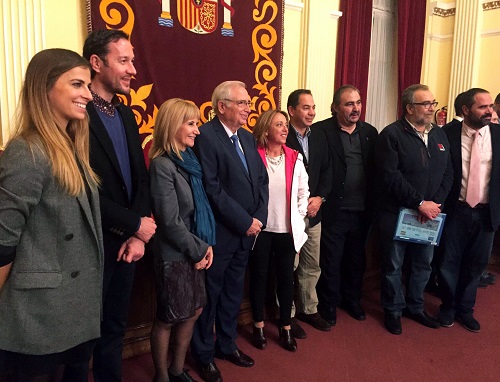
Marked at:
<point>442,12</point>
<point>491,5</point>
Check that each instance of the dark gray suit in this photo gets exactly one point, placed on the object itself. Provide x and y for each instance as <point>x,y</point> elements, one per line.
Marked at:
<point>51,301</point>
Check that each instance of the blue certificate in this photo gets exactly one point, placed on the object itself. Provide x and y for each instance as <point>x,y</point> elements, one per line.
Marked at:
<point>411,230</point>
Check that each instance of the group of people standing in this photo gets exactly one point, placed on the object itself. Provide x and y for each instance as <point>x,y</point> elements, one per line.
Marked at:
<point>295,198</point>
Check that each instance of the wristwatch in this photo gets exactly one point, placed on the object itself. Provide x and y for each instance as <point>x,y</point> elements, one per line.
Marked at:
<point>323,199</point>
<point>422,202</point>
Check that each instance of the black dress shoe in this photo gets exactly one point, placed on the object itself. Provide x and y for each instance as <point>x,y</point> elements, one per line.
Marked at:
<point>392,323</point>
<point>445,320</point>
<point>469,322</point>
<point>329,315</point>
<point>258,339</point>
<point>238,358</point>
<point>483,281</point>
<point>210,372</point>
<point>355,311</point>
<point>487,278</point>
<point>315,320</point>
<point>287,340</point>
<point>422,318</point>
<point>182,377</point>
<point>297,331</point>
<point>491,278</point>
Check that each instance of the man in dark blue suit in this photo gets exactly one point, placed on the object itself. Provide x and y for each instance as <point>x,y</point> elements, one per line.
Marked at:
<point>472,207</point>
<point>236,183</point>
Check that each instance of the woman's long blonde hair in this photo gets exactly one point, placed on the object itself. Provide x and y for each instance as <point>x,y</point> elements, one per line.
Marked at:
<point>65,146</point>
<point>171,115</point>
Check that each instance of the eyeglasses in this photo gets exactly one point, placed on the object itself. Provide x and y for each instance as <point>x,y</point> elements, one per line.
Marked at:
<point>426,104</point>
<point>241,103</point>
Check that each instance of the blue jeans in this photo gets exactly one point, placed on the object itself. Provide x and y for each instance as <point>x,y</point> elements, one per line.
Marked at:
<point>393,296</point>
<point>466,246</point>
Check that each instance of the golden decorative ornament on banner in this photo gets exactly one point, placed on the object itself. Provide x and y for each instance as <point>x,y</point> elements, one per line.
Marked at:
<point>117,14</point>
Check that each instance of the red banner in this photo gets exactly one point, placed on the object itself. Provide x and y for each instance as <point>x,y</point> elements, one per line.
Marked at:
<point>185,48</point>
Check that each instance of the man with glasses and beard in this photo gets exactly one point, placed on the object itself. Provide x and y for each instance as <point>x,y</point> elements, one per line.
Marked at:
<point>414,171</point>
<point>472,207</point>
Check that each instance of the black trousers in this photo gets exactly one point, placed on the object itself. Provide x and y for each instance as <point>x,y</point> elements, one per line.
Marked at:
<point>118,283</point>
<point>342,259</point>
<point>278,248</point>
<point>465,249</point>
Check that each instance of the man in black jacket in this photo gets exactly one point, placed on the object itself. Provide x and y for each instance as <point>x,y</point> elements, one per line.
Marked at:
<point>116,157</point>
<point>414,171</point>
<point>472,207</point>
<point>311,143</point>
<point>347,212</point>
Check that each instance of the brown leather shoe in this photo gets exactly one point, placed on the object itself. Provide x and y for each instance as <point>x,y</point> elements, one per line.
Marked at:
<point>287,340</point>
<point>258,339</point>
<point>315,320</point>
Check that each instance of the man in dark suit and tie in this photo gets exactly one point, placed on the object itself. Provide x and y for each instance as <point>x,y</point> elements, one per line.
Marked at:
<point>236,184</point>
<point>311,143</point>
<point>347,212</point>
<point>472,207</point>
<point>116,157</point>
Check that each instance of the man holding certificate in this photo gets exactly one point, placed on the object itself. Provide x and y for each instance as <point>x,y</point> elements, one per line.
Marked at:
<point>414,172</point>
<point>473,208</point>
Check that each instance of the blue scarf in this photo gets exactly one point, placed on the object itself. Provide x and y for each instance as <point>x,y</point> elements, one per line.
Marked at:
<point>204,222</point>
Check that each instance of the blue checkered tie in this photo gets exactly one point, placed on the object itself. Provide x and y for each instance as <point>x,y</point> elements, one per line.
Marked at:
<point>235,140</point>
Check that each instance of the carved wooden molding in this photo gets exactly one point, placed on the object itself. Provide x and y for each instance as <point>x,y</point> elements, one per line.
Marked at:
<point>488,6</point>
<point>443,11</point>
<point>448,9</point>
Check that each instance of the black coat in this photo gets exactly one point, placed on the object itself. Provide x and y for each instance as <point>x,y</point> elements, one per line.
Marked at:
<point>368,137</point>
<point>454,134</point>
<point>318,166</point>
<point>120,216</point>
<point>408,171</point>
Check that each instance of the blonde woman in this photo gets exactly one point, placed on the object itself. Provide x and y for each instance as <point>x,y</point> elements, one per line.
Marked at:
<point>184,236</point>
<point>51,251</point>
<point>284,234</point>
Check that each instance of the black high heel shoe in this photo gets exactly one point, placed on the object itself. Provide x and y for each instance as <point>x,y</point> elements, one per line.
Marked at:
<point>259,340</point>
<point>287,340</point>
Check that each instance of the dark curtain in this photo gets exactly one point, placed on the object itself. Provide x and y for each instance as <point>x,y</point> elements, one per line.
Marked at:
<point>353,45</point>
<point>411,29</point>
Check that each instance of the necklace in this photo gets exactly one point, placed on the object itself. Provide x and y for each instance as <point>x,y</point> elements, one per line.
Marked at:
<point>275,161</point>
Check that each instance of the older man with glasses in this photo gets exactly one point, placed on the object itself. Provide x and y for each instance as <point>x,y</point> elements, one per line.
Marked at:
<point>236,184</point>
<point>415,172</point>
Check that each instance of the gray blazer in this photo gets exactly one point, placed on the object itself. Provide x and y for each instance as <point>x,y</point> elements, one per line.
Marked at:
<point>51,301</point>
<point>173,209</point>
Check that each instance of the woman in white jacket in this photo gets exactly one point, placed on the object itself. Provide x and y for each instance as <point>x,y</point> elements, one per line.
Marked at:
<point>284,234</point>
